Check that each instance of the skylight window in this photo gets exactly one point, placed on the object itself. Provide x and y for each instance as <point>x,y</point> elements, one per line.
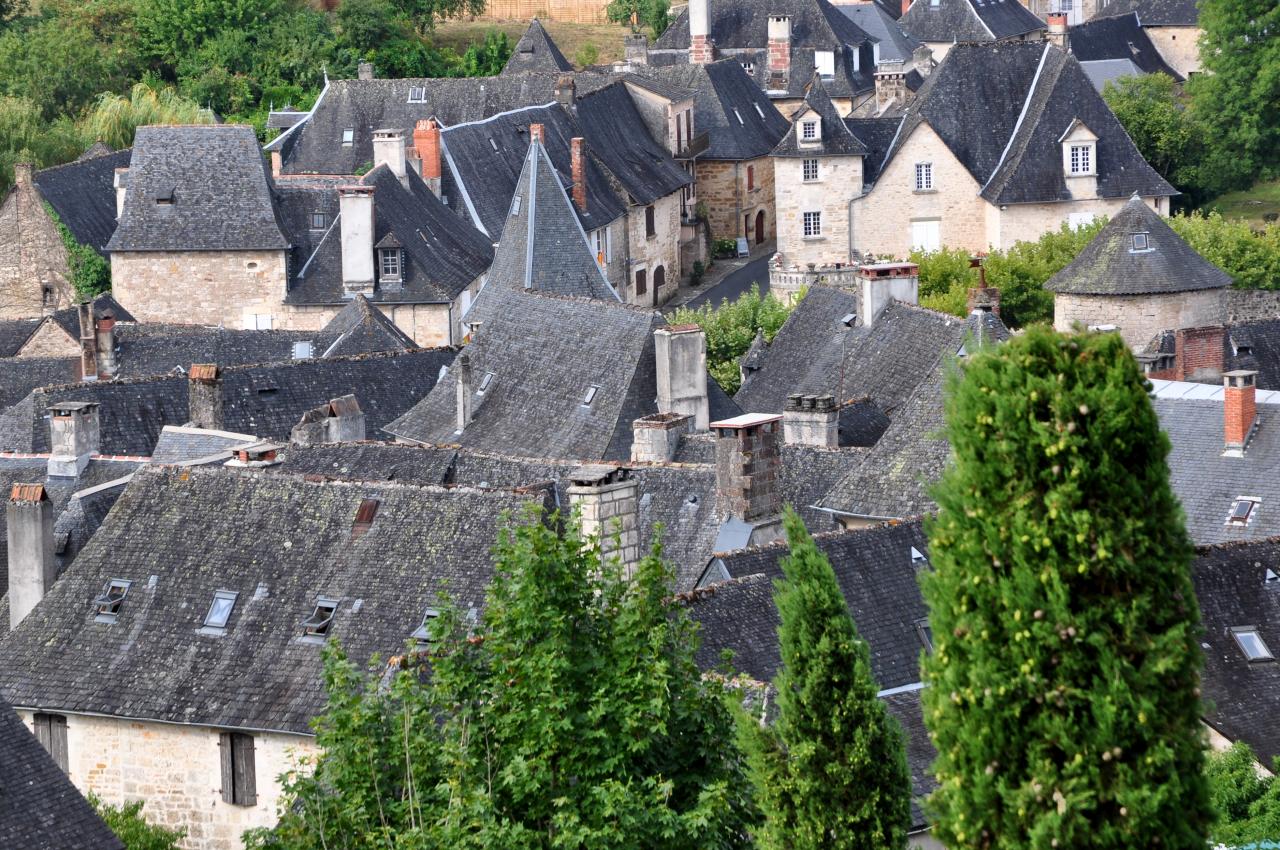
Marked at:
<point>108,602</point>
<point>302,350</point>
<point>1251,643</point>
<point>1141,242</point>
<point>348,137</point>
<point>493,144</point>
<point>738,115</point>
<point>224,601</point>
<point>417,94</point>
<point>1242,511</point>
<point>759,111</point>
<point>515,206</point>
<point>925,632</point>
<point>422,634</point>
<point>319,221</point>
<point>1270,577</point>
<point>485,382</point>
<point>364,517</point>
<point>918,558</point>
<point>317,625</point>
<point>590,395</point>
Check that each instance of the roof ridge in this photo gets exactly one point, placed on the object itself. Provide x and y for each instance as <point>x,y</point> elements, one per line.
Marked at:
<point>320,480</point>
<point>1026,104</point>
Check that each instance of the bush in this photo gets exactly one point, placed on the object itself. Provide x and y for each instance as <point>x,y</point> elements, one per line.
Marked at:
<point>133,829</point>
<point>90,272</point>
<point>697,273</point>
<point>588,54</point>
<point>730,329</point>
<point>1251,257</point>
<point>725,248</point>
<point>1248,805</point>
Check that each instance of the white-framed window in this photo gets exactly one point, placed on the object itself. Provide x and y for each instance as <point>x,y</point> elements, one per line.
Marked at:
<point>348,138</point>
<point>1080,160</point>
<point>603,245</point>
<point>809,130</point>
<point>257,321</point>
<point>417,94</point>
<point>812,224</point>
<point>924,176</point>
<point>319,221</point>
<point>1141,242</point>
<point>824,61</point>
<point>926,235</point>
<point>810,170</point>
<point>389,263</point>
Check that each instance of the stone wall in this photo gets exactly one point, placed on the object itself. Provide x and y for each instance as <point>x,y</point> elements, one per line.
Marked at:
<point>1140,317</point>
<point>722,188</point>
<point>1180,47</point>
<point>33,259</point>
<point>662,250</point>
<point>426,324</point>
<point>839,182</point>
<point>204,287</point>
<point>177,771</point>
<point>1028,222</point>
<point>50,340</point>
<point>1249,305</point>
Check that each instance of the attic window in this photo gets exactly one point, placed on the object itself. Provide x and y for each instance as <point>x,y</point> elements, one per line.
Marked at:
<point>1242,511</point>
<point>364,517</point>
<point>925,632</point>
<point>759,111</point>
<point>493,144</point>
<point>1141,242</point>
<point>317,625</point>
<point>515,206</point>
<point>824,62</point>
<point>417,94</point>
<point>485,382</point>
<point>348,137</point>
<point>1270,577</point>
<point>108,602</point>
<point>224,601</point>
<point>165,199</point>
<point>1251,643</point>
<point>422,634</point>
<point>738,115</point>
<point>808,131</point>
<point>319,221</point>
<point>590,395</point>
<point>302,350</point>
<point>389,264</point>
<point>1080,160</point>
<point>918,558</point>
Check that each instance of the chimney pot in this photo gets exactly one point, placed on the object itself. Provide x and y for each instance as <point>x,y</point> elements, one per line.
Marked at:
<point>906,4</point>
<point>364,71</point>
<point>339,420</point>
<point>814,421</point>
<point>605,495</point>
<point>882,283</point>
<point>23,173</point>
<point>204,396</point>
<point>1240,412</point>
<point>426,148</point>
<point>538,132</point>
<point>106,345</point>
<point>681,352</point>
<point>636,49</point>
<point>566,92</point>
<point>32,568</point>
<point>577,147</point>
<point>656,437</point>
<point>73,437</point>
<point>748,470</point>
<point>779,44</point>
<point>388,149</point>
<point>88,342</point>
<point>464,389</point>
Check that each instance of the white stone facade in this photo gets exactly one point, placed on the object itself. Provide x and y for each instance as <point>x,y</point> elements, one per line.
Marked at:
<point>1180,47</point>
<point>831,194</point>
<point>1138,318</point>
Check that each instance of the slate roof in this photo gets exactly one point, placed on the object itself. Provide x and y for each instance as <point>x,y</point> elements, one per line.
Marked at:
<point>359,328</point>
<point>198,188</point>
<point>83,195</point>
<point>42,809</point>
<point>266,400</point>
<point>442,253</point>
<point>179,443</point>
<point>279,542</point>
<point>1119,37</point>
<point>145,350</point>
<point>876,135</point>
<point>1154,13</point>
<point>362,106</point>
<point>953,21</point>
<point>542,248</point>
<point>1243,696</point>
<point>616,134</point>
<point>1110,265</point>
<point>15,332</point>
<point>835,136</point>
<point>1103,71</point>
<point>103,305</point>
<point>728,105</point>
<point>1255,346</point>
<point>875,21</point>
<point>20,375</point>
<point>1032,92</point>
<point>535,51</point>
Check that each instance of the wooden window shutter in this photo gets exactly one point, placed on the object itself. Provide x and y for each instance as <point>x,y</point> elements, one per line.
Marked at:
<point>51,732</point>
<point>228,776</point>
<point>244,773</point>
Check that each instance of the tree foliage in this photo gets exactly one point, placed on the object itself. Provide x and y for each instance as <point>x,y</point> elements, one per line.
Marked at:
<point>1247,803</point>
<point>90,272</point>
<point>730,329</point>
<point>831,772</point>
<point>133,829</point>
<point>572,716</point>
<point>1156,116</point>
<point>1063,691</point>
<point>654,14</point>
<point>115,118</point>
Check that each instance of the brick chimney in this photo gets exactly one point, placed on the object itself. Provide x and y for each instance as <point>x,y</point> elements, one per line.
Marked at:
<point>465,390</point>
<point>120,180</point>
<point>701,50</point>
<point>204,396</point>
<point>577,158</point>
<point>32,569</point>
<point>811,420</point>
<point>355,205</point>
<point>1057,32</point>
<point>882,283</point>
<point>566,93</point>
<point>538,132</point>
<point>779,44</point>
<point>364,71</point>
<point>748,472</point>
<point>338,421</point>
<point>73,437</point>
<point>681,352</point>
<point>426,150</point>
<point>106,344</point>
<point>1199,353</point>
<point>388,149</point>
<point>1239,402</point>
<point>656,438</point>
<point>88,342</point>
<point>606,497</point>
<point>906,4</point>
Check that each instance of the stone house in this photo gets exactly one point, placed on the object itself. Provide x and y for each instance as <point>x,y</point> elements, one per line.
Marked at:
<point>34,272</point>
<point>940,24</point>
<point>781,44</point>
<point>1114,47</point>
<point>1003,142</point>
<point>1138,277</point>
<point>216,589</point>
<point>1172,25</point>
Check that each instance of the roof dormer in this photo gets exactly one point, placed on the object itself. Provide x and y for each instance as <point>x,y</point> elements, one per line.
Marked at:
<point>809,130</point>
<point>1079,151</point>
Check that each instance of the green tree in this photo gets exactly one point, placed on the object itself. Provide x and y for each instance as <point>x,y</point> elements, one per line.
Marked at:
<point>25,137</point>
<point>654,14</point>
<point>1063,691</point>
<point>1155,116</point>
<point>730,329</point>
<point>1251,256</point>
<point>1248,804</point>
<point>588,54</point>
<point>1237,98</point>
<point>169,29</point>
<point>487,59</point>
<point>831,772</point>
<point>115,118</point>
<point>90,272</point>
<point>133,829</point>
<point>59,64</point>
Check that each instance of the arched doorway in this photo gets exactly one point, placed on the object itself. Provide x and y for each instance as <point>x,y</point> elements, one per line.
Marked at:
<point>760,227</point>
<point>659,279</point>
<point>641,284</point>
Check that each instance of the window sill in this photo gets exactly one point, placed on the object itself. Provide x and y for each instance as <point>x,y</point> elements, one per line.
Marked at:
<point>818,238</point>
<point>1075,175</point>
<point>924,191</point>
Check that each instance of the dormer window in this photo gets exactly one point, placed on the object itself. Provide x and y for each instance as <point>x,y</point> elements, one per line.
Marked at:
<point>1079,150</point>
<point>924,176</point>
<point>422,634</point>
<point>925,632</point>
<point>1080,160</point>
<point>1251,643</point>
<point>317,625</point>
<point>824,62</point>
<point>417,94</point>
<point>109,601</point>
<point>1141,242</point>
<point>809,130</point>
<point>348,138</point>
<point>165,198</point>
<point>389,264</point>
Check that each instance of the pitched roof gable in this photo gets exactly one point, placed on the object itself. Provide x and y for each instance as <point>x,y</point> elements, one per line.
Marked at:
<point>359,328</point>
<point>1154,13</point>
<point>536,51</point>
<point>835,136</point>
<point>1118,37</point>
<point>1111,264</point>
<point>952,21</point>
<point>83,195</point>
<point>618,137</point>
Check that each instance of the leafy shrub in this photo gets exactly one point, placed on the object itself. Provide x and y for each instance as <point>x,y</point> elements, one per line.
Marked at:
<point>133,829</point>
<point>731,327</point>
<point>90,272</point>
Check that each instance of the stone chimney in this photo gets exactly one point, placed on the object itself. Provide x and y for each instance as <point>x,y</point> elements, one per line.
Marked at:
<point>906,4</point>
<point>1057,32</point>
<point>1239,402</point>
<point>465,389</point>
<point>577,159</point>
<point>891,84</point>
<point>983,298</point>
<point>32,569</point>
<point>24,174</point>
<point>566,92</point>
<point>338,421</point>
<point>426,149</point>
<point>73,437</point>
<point>882,283</point>
<point>606,497</point>
<point>656,438</point>
<point>88,342</point>
<point>121,183</point>
<point>355,204</point>
<point>779,44</point>
<point>811,420</point>
<point>748,473</point>
<point>106,345</point>
<point>388,148</point>
<point>636,49</point>
<point>204,396</point>
<point>701,50</point>
<point>364,71</point>
<point>681,352</point>
<point>538,133</point>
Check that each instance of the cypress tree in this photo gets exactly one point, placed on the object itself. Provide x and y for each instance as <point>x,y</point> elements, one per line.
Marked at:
<point>831,772</point>
<point>1063,691</point>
